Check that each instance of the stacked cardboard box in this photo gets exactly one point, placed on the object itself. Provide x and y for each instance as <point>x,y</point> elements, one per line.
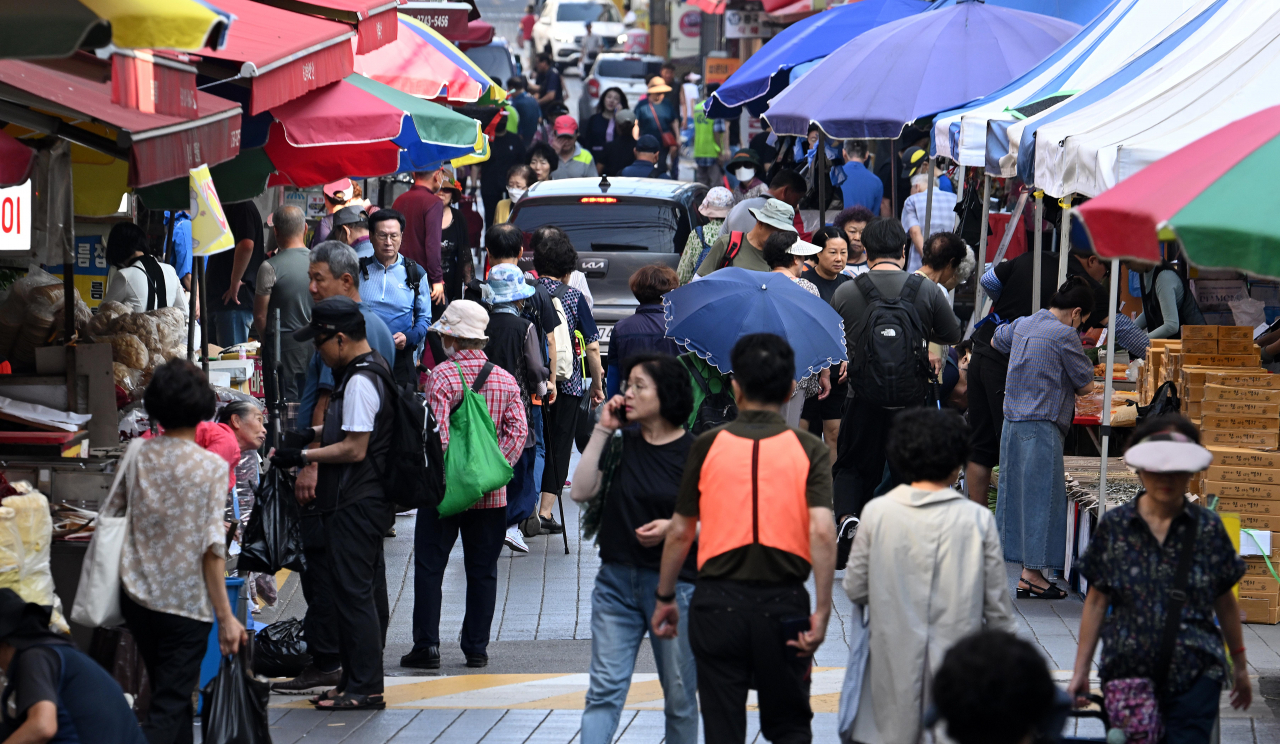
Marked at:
<point>1247,481</point>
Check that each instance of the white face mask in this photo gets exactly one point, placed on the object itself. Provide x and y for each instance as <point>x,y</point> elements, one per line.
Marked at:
<point>516,194</point>
<point>744,174</point>
<point>449,350</point>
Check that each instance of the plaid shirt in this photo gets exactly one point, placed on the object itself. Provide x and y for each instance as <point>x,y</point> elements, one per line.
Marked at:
<point>501,393</point>
<point>575,385</point>
<point>1046,366</point>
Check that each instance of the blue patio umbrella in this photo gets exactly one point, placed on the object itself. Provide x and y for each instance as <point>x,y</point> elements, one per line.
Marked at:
<point>710,315</point>
<point>888,77</point>
<point>767,73</point>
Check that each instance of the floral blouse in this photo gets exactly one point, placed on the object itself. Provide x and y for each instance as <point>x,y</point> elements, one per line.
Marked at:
<point>1125,562</point>
<point>176,493</point>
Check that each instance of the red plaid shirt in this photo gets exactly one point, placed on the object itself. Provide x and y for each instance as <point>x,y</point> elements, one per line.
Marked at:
<point>501,393</point>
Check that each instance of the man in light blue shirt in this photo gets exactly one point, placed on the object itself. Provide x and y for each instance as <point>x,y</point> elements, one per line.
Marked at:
<point>390,285</point>
<point>942,218</point>
<point>860,187</point>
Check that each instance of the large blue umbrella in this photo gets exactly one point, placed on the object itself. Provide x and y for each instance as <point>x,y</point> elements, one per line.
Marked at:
<point>710,315</point>
<point>767,72</point>
<point>888,77</point>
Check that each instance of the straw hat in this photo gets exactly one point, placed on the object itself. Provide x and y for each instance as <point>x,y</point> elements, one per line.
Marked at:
<point>658,85</point>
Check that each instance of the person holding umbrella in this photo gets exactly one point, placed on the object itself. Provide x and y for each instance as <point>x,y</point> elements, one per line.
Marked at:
<point>785,254</point>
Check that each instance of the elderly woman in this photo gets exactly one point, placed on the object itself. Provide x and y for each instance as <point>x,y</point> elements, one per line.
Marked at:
<point>715,207</point>
<point>248,424</point>
<point>543,160</point>
<point>1142,555</point>
<point>646,329</point>
<point>852,221</point>
<point>928,565</point>
<point>784,252</point>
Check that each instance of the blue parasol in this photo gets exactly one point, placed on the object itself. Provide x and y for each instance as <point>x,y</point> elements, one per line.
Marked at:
<point>710,315</point>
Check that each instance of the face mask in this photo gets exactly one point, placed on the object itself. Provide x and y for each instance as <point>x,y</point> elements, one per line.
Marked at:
<point>449,350</point>
<point>516,194</point>
<point>744,174</point>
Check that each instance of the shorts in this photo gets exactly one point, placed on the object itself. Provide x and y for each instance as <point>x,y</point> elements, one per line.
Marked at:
<point>830,408</point>
<point>986,407</point>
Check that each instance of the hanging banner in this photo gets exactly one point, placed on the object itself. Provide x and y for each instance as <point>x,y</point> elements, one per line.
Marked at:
<point>210,233</point>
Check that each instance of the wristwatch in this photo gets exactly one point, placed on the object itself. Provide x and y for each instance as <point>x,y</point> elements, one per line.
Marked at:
<point>665,598</point>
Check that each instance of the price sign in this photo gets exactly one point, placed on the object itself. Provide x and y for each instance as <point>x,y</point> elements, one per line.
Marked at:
<point>15,218</point>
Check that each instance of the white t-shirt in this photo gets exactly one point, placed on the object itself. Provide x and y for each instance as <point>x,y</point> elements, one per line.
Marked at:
<point>129,286</point>
<point>360,404</point>
<point>689,91</point>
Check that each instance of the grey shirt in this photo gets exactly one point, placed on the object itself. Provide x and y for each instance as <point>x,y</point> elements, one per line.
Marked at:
<point>285,279</point>
<point>940,324</point>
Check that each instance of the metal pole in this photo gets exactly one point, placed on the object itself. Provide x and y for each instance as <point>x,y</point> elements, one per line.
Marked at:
<point>191,318</point>
<point>205,321</point>
<point>820,176</point>
<point>1037,260</point>
<point>894,164</point>
<point>927,228</point>
<point>982,249</point>
<point>1107,384</point>
<point>1065,243</point>
<point>276,371</point>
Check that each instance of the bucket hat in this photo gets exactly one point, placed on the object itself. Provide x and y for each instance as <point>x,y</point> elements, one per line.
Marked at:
<point>463,319</point>
<point>775,213</point>
<point>508,284</point>
<point>716,204</point>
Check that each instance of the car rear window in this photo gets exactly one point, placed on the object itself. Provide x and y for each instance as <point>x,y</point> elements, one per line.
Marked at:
<point>494,61</point>
<point>586,12</point>
<point>622,226</point>
<point>628,68</point>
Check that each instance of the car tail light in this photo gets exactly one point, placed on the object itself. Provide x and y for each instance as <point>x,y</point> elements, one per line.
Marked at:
<point>598,200</point>
<point>593,88</point>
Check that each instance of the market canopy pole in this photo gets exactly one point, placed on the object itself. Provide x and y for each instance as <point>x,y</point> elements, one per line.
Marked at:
<point>1107,385</point>
<point>927,228</point>
<point>1064,236</point>
<point>1037,260</point>
<point>982,250</point>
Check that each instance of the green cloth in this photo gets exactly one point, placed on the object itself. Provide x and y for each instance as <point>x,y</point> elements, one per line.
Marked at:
<point>749,257</point>
<point>716,382</point>
<point>473,463</point>
<point>693,249</point>
<point>704,134</point>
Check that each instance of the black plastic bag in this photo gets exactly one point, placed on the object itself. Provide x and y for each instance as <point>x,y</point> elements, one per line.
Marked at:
<point>273,538</point>
<point>279,650</point>
<point>588,415</point>
<point>235,706</point>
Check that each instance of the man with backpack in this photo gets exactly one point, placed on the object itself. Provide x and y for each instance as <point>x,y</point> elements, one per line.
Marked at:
<point>890,316</point>
<point>354,449</point>
<point>482,526</point>
<point>745,250</point>
<point>391,284</point>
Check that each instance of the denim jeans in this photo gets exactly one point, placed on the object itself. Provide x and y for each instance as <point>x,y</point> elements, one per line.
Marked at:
<point>232,326</point>
<point>621,605</point>
<point>539,460</point>
<point>1031,506</point>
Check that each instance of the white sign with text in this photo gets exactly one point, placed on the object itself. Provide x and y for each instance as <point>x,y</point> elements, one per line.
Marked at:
<point>15,218</point>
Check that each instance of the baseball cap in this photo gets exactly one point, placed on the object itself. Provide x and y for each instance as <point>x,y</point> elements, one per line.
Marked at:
<point>648,143</point>
<point>623,117</point>
<point>342,185</point>
<point>329,316</point>
<point>566,126</point>
<point>912,160</point>
<point>354,215</point>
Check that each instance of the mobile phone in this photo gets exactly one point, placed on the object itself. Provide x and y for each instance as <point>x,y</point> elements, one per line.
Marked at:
<point>793,626</point>
<point>621,412</point>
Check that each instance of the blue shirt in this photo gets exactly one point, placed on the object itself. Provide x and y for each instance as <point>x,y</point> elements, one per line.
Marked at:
<point>642,169</point>
<point>860,186</point>
<point>386,290</point>
<point>648,125</point>
<point>1046,366</point>
<point>527,107</point>
<point>181,257</point>
<point>363,247</point>
<point>643,332</point>
<point>320,377</point>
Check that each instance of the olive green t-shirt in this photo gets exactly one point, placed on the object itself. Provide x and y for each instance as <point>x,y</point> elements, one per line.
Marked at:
<point>749,257</point>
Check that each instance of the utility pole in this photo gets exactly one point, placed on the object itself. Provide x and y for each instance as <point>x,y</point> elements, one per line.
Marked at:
<point>659,27</point>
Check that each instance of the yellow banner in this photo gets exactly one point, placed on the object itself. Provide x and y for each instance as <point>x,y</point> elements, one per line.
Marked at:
<point>210,233</point>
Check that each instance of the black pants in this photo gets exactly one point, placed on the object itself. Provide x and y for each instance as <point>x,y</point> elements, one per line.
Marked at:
<point>482,531</point>
<point>353,573</point>
<point>736,633</point>
<point>986,407</point>
<point>172,648</point>
<point>860,460</point>
<point>404,370</point>
<point>320,624</point>
<point>561,423</point>
<point>1189,718</point>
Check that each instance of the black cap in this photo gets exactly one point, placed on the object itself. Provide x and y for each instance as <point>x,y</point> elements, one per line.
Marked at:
<point>648,143</point>
<point>353,215</point>
<point>20,616</point>
<point>329,316</point>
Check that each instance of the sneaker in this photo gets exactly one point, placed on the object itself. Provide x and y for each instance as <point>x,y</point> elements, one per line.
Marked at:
<point>427,658</point>
<point>844,540</point>
<point>311,681</point>
<point>550,526</point>
<point>514,540</point>
<point>531,527</point>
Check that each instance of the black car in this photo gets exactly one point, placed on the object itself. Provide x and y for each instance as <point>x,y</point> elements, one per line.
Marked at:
<point>617,226</point>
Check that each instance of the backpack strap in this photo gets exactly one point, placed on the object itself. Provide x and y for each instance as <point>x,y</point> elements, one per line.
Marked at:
<point>867,287</point>
<point>413,274</point>
<point>560,291</point>
<point>150,268</point>
<point>1176,601</point>
<point>731,250</point>
<point>364,266</point>
<point>482,377</point>
<point>911,288</point>
<point>706,389</point>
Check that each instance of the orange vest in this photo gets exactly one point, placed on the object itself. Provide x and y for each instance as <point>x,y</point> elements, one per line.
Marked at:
<point>754,491</point>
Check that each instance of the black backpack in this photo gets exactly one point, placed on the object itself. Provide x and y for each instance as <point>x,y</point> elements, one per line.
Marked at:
<point>717,409</point>
<point>413,277</point>
<point>892,363</point>
<point>413,471</point>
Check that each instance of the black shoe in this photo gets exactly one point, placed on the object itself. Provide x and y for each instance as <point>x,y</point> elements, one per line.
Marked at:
<point>477,661</point>
<point>550,526</point>
<point>532,527</point>
<point>427,658</point>
<point>311,680</point>
<point>844,540</point>
<point>1034,591</point>
<point>391,532</point>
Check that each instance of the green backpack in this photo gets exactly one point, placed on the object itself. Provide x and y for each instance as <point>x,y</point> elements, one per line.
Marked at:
<point>473,463</point>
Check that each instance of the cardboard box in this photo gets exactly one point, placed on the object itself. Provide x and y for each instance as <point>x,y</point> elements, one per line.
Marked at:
<point>1248,506</point>
<point>1193,394</point>
<point>1255,566</point>
<point>1269,440</point>
<point>1241,394</point>
<point>1250,379</point>
<point>1199,331</point>
<point>1260,522</point>
<point>1221,360</point>
<point>1235,332</point>
<point>1201,346</point>
<point>1254,423</point>
<point>1236,346</point>
<point>1271,598</point>
<point>1258,612</point>
<point>1239,490</point>
<point>1259,585</point>
<point>1193,409</point>
<point>1245,458</point>
<point>1236,474</point>
<point>1240,408</point>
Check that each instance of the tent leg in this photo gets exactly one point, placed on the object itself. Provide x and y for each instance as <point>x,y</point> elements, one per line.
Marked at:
<point>819,176</point>
<point>894,164</point>
<point>927,228</point>
<point>206,322</point>
<point>1064,229</point>
<point>1037,260</point>
<point>1107,384</point>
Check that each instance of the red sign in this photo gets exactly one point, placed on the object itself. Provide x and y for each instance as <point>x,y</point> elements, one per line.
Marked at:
<point>691,23</point>
<point>447,19</point>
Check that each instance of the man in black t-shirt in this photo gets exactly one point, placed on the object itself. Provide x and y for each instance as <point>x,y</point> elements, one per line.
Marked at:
<point>231,275</point>
<point>549,89</point>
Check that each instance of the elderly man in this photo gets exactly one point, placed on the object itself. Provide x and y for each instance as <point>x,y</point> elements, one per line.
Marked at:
<point>390,285</point>
<point>942,218</point>
<point>575,162</point>
<point>351,227</point>
<point>745,250</point>
<point>283,284</point>
<point>646,162</point>
<point>787,186</point>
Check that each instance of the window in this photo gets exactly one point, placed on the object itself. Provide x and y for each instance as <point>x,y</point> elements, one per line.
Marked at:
<point>623,226</point>
<point>587,12</point>
<point>495,62</point>
<point>637,69</point>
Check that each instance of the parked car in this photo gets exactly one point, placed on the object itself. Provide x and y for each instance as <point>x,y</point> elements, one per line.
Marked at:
<point>617,226</point>
<point>629,72</point>
<point>496,59</point>
<point>563,23</point>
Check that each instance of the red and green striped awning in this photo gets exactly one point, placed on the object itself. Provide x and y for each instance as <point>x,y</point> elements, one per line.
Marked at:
<point>1215,196</point>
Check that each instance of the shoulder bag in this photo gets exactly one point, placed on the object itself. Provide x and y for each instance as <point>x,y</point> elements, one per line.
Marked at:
<point>97,602</point>
<point>668,138</point>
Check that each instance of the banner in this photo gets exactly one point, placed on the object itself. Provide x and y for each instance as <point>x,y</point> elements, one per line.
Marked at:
<point>210,233</point>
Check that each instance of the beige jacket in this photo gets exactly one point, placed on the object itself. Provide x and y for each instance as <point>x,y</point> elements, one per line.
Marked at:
<point>930,567</point>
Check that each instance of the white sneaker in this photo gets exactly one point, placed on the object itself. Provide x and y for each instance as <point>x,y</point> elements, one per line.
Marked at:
<point>515,540</point>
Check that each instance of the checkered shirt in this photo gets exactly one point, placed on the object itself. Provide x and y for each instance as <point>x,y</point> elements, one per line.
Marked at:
<point>501,393</point>
<point>1046,366</point>
<point>575,385</point>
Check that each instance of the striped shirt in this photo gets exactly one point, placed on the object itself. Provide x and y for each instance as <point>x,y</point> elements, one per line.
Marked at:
<point>1046,366</point>
<point>501,394</point>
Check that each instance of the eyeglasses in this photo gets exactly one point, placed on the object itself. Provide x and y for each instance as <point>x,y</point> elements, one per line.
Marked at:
<point>322,340</point>
<point>388,237</point>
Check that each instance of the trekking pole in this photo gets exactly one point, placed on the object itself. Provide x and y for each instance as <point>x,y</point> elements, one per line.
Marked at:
<point>276,372</point>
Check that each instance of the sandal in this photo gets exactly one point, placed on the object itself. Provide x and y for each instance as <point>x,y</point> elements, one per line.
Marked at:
<point>1039,592</point>
<point>351,701</point>
<point>328,694</point>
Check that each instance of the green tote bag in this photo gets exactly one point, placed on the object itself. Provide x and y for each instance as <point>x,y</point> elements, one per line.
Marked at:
<point>473,463</point>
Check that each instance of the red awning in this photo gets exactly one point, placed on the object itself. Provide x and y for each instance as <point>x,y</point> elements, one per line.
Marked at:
<point>479,33</point>
<point>158,147</point>
<point>15,160</point>
<point>282,54</point>
<point>374,20</point>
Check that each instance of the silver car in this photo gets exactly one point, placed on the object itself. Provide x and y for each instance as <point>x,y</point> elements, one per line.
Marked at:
<point>628,72</point>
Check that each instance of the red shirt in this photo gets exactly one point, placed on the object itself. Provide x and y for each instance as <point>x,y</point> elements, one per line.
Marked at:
<point>218,439</point>
<point>423,216</point>
<point>526,26</point>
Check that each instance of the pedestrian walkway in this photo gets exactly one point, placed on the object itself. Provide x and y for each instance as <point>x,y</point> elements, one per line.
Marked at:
<point>534,687</point>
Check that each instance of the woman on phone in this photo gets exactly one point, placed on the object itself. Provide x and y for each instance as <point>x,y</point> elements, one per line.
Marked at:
<point>634,476</point>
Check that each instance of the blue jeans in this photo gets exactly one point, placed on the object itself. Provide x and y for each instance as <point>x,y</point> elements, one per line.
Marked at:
<point>1189,718</point>
<point>232,326</point>
<point>621,606</point>
<point>540,459</point>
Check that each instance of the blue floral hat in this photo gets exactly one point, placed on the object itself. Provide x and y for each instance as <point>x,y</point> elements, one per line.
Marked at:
<point>507,284</point>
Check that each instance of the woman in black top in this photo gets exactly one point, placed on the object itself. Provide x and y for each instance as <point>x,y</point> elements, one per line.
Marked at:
<point>456,262</point>
<point>631,478</point>
<point>601,127</point>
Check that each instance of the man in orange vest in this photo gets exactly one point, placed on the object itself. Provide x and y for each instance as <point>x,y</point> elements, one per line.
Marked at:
<point>762,490</point>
